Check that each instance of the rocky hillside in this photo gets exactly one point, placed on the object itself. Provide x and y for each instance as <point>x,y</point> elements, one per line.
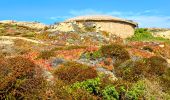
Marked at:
<point>33,25</point>
<point>160,32</point>
<point>43,63</point>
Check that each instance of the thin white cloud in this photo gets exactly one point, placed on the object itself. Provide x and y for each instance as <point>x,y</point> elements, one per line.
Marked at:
<point>152,21</point>
<point>147,18</point>
<point>60,17</point>
<point>84,12</point>
<point>115,13</point>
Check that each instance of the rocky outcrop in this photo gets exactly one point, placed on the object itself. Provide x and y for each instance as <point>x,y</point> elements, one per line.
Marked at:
<point>34,25</point>
<point>160,32</point>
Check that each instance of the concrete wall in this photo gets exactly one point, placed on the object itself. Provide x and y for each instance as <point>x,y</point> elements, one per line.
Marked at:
<point>120,29</point>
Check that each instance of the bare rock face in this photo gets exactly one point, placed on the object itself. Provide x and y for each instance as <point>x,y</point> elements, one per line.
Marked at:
<point>160,32</point>
<point>34,25</point>
<point>74,26</point>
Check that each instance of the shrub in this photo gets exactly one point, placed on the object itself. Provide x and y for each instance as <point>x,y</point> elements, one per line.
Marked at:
<point>115,50</point>
<point>46,54</point>
<point>165,80</point>
<point>17,66</point>
<point>110,93</point>
<point>105,81</point>
<point>90,85</point>
<point>81,94</point>
<point>72,72</point>
<point>154,90</point>
<point>62,91</point>
<point>157,65</point>
<point>93,55</point>
<point>20,79</point>
<point>132,71</point>
<point>59,90</point>
<point>136,92</point>
<point>142,34</point>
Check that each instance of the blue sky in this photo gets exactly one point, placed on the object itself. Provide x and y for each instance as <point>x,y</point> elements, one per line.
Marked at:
<point>148,13</point>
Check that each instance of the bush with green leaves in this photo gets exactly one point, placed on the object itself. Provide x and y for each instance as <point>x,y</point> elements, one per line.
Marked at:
<point>142,34</point>
<point>91,85</point>
<point>136,92</point>
<point>110,93</point>
<point>93,55</point>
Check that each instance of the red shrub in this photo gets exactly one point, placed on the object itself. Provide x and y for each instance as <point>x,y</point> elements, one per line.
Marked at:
<point>20,78</point>
<point>157,65</point>
<point>115,50</point>
<point>72,72</point>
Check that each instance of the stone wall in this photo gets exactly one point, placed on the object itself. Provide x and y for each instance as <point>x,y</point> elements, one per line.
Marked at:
<point>120,29</point>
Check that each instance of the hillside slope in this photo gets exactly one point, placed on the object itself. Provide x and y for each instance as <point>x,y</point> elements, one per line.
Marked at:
<point>81,65</point>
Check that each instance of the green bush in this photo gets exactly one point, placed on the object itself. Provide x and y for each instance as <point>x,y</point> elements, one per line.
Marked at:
<point>110,93</point>
<point>91,85</point>
<point>93,55</point>
<point>136,92</point>
<point>142,34</point>
<point>115,50</point>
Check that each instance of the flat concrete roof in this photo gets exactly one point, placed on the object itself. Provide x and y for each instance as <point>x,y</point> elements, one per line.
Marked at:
<point>101,18</point>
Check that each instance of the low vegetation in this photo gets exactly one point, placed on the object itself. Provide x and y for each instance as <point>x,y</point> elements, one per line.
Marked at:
<point>83,65</point>
<point>71,72</point>
<point>46,54</point>
<point>115,51</point>
<point>142,34</point>
<point>20,79</point>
